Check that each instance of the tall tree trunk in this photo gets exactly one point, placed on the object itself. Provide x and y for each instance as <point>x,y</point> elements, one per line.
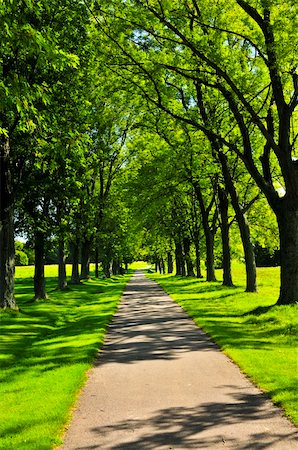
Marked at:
<point>115,266</point>
<point>183,268</point>
<point>39,278</point>
<point>189,264</point>
<point>170,263</point>
<point>225,237</point>
<point>96,262</point>
<point>7,251</point>
<point>209,234</point>
<point>62,282</point>
<point>251,283</point>
<point>198,255</point>
<point>249,256</point>
<point>107,269</point>
<point>162,266</point>
<point>179,258</point>
<point>85,263</point>
<point>288,230</point>
<point>75,252</point>
<point>159,266</point>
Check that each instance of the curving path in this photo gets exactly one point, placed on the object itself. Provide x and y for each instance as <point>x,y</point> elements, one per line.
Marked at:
<point>160,383</point>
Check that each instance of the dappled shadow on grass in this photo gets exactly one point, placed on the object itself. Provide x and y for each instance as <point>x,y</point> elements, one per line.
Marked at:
<point>44,352</point>
<point>240,422</point>
<point>47,334</point>
<point>259,310</point>
<point>226,329</point>
<point>238,330</point>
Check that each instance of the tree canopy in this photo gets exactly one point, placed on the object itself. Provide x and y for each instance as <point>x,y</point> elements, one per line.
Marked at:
<point>158,129</point>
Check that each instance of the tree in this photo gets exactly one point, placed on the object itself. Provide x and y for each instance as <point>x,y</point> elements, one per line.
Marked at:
<point>35,51</point>
<point>239,50</point>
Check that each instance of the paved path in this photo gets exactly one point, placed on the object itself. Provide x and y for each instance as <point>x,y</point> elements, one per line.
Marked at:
<point>162,384</point>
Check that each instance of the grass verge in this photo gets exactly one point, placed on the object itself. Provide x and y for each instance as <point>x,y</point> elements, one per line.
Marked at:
<point>45,351</point>
<point>259,336</point>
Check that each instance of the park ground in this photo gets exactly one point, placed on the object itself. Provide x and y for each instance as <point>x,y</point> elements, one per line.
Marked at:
<point>47,348</point>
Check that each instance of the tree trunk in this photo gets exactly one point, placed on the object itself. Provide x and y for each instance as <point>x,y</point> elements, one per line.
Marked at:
<point>198,255</point>
<point>96,263</point>
<point>75,275</point>
<point>62,282</point>
<point>183,269</point>
<point>170,263</point>
<point>189,264</point>
<point>115,267</point>
<point>162,266</point>
<point>209,239</point>
<point>107,269</point>
<point>250,263</point>
<point>159,266</point>
<point>288,231</point>
<point>225,237</point>
<point>39,278</point>
<point>209,235</point>
<point>85,263</point>
<point>7,251</point>
<point>180,270</point>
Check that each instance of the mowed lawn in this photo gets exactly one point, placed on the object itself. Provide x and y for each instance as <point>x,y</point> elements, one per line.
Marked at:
<point>260,337</point>
<point>45,351</point>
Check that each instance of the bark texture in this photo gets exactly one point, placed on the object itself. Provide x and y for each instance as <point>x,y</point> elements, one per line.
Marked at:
<point>7,253</point>
<point>62,282</point>
<point>249,256</point>
<point>209,232</point>
<point>198,255</point>
<point>189,264</point>
<point>162,266</point>
<point>180,264</point>
<point>96,263</point>
<point>116,266</point>
<point>170,263</point>
<point>288,229</point>
<point>107,269</point>
<point>39,278</point>
<point>225,237</point>
<point>75,251</point>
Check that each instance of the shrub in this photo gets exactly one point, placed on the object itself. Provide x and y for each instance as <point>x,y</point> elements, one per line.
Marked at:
<point>21,258</point>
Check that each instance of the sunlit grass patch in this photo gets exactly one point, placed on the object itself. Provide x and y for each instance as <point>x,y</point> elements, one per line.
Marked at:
<point>139,265</point>
<point>258,335</point>
<point>45,351</point>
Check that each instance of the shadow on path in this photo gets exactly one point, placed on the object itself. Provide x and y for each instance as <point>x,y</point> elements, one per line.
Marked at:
<point>184,428</point>
<point>180,400</point>
<point>149,328</point>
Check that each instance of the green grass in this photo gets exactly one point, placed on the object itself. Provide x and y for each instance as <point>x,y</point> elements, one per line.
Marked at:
<point>45,351</point>
<point>139,265</point>
<point>259,336</point>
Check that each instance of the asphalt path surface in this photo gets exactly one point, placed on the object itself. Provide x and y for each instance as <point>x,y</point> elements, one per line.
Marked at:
<point>161,383</point>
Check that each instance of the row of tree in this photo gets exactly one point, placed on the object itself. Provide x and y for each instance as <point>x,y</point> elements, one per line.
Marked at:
<point>190,207</point>
<point>174,122</point>
<point>64,127</point>
<point>228,69</point>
